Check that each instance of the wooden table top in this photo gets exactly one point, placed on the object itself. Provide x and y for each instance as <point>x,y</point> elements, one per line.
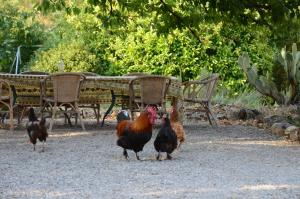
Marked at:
<point>94,87</point>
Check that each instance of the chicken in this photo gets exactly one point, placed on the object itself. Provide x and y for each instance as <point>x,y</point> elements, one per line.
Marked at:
<point>177,126</point>
<point>36,129</point>
<point>133,135</point>
<point>31,116</point>
<point>123,115</point>
<point>166,139</point>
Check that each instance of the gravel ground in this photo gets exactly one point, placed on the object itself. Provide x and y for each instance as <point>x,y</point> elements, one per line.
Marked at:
<point>223,162</point>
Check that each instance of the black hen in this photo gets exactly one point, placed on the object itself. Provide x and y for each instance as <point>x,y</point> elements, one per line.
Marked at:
<point>31,116</point>
<point>166,139</point>
<point>123,115</point>
<point>36,129</point>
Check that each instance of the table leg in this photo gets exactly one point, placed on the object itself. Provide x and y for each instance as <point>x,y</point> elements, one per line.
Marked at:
<point>113,101</point>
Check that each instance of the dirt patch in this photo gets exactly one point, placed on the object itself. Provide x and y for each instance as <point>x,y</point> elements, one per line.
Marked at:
<point>226,162</point>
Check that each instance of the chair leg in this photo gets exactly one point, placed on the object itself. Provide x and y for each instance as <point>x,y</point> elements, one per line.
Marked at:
<point>76,117</point>
<point>42,109</point>
<point>97,112</point>
<point>82,113</point>
<point>132,114</point>
<point>79,115</point>
<point>18,114</point>
<point>131,109</point>
<point>66,116</point>
<point>22,114</point>
<point>54,109</point>
<point>11,116</point>
<point>213,117</point>
<point>210,115</point>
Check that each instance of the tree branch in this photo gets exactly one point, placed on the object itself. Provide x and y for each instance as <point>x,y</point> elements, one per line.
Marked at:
<point>179,20</point>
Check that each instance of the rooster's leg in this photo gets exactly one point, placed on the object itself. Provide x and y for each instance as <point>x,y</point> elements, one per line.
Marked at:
<point>43,146</point>
<point>158,156</point>
<point>169,157</point>
<point>34,147</point>
<point>137,157</point>
<point>125,154</point>
<point>178,147</point>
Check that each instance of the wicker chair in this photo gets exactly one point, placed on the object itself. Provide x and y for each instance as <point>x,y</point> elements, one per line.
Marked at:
<point>86,98</point>
<point>148,90</point>
<point>34,73</point>
<point>23,102</point>
<point>136,74</point>
<point>89,74</point>
<point>66,89</point>
<point>6,100</point>
<point>125,98</point>
<point>200,92</point>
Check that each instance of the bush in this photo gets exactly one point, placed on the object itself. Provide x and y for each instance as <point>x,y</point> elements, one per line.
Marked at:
<point>75,56</point>
<point>18,26</point>
<point>78,41</point>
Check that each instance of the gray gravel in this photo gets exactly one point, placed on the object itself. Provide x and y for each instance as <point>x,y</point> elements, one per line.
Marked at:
<point>224,162</point>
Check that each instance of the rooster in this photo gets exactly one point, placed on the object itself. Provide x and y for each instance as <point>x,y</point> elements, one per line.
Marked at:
<point>36,129</point>
<point>133,135</point>
<point>177,126</point>
<point>166,140</point>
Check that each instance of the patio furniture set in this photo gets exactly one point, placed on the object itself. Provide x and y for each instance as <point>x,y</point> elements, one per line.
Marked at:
<point>69,92</point>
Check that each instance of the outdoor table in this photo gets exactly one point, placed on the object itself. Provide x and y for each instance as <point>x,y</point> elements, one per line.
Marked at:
<point>95,89</point>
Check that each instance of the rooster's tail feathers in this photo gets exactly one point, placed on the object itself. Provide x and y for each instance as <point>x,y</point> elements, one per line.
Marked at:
<point>43,121</point>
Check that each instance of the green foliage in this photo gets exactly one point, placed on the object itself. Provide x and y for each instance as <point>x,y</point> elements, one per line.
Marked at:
<point>181,55</point>
<point>279,76</point>
<point>178,38</point>
<point>247,98</point>
<point>289,63</point>
<point>74,55</point>
<point>286,34</point>
<point>76,40</point>
<point>279,16</point>
<point>149,52</point>
<point>141,49</point>
<point>18,26</point>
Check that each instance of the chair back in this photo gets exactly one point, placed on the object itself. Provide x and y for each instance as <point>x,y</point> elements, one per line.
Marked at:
<point>66,86</point>
<point>136,74</point>
<point>34,73</point>
<point>152,89</point>
<point>200,90</point>
<point>5,90</point>
<point>89,74</point>
<point>6,99</point>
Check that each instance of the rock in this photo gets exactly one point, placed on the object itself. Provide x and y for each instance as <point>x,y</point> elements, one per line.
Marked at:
<point>260,125</point>
<point>233,113</point>
<point>279,128</point>
<point>270,120</point>
<point>221,116</point>
<point>245,114</point>
<point>293,133</point>
<point>242,114</point>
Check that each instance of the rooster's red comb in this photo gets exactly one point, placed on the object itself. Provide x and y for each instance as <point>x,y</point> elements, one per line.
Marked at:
<point>151,109</point>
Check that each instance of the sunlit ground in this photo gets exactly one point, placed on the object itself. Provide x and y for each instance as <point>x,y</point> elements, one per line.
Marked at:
<point>224,162</point>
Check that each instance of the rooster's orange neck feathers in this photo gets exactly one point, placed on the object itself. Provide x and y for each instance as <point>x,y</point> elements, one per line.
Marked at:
<point>141,123</point>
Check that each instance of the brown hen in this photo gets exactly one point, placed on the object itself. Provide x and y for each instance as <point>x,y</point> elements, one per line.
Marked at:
<point>177,126</point>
